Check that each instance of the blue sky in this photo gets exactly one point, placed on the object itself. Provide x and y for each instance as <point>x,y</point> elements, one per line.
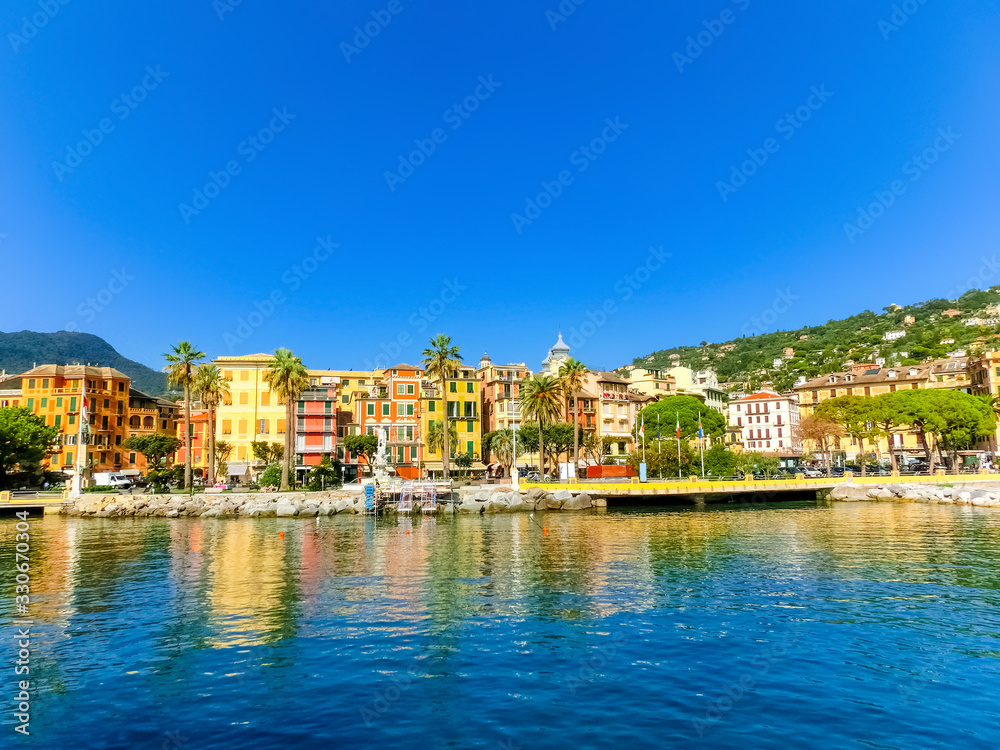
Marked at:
<point>833,102</point>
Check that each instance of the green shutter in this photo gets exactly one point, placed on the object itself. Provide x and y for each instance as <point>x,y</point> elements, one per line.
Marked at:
<point>409,410</point>
<point>72,403</point>
<point>453,387</point>
<point>31,404</point>
<point>469,388</point>
<point>470,444</point>
<point>432,406</point>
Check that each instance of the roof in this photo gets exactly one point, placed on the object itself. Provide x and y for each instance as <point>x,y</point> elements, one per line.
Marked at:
<point>610,377</point>
<point>762,396</point>
<point>404,366</point>
<point>74,371</point>
<point>881,375</point>
<point>244,357</point>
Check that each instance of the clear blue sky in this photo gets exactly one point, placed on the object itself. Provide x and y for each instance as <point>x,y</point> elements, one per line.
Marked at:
<point>886,91</point>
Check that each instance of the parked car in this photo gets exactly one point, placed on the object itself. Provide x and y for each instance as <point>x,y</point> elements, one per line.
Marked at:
<point>811,472</point>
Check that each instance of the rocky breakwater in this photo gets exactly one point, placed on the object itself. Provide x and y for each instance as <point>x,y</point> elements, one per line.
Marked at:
<point>502,499</point>
<point>985,495</point>
<point>247,505</point>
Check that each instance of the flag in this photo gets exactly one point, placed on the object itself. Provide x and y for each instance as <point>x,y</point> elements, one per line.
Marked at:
<point>678,425</point>
<point>642,428</point>
<point>699,426</point>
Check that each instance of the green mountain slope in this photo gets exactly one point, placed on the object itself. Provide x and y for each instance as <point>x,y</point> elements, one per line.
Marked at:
<point>21,350</point>
<point>815,350</point>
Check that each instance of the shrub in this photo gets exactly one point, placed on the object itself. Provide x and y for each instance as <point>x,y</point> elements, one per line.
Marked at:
<point>271,476</point>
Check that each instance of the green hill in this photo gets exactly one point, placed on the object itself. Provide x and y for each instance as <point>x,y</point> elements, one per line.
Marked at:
<point>22,350</point>
<point>816,350</point>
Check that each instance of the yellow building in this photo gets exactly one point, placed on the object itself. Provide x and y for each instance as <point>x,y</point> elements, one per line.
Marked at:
<point>656,383</point>
<point>249,412</point>
<point>464,393</point>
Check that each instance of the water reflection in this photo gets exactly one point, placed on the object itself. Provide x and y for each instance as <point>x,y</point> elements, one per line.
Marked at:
<point>234,614</point>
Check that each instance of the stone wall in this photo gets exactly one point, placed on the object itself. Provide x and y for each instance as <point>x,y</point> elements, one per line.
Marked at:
<point>984,494</point>
<point>497,499</point>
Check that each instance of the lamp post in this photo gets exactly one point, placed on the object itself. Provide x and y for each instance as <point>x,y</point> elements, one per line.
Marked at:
<point>515,475</point>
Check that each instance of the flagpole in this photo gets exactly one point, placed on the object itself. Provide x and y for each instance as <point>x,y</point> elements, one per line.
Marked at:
<point>701,446</point>
<point>659,448</point>
<point>678,415</point>
<point>80,447</point>
<point>642,432</point>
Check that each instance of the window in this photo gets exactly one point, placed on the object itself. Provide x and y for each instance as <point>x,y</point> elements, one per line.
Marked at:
<point>227,427</point>
<point>371,409</point>
<point>621,447</point>
<point>72,403</point>
<point>281,426</point>
<point>265,398</point>
<point>244,374</point>
<point>72,419</point>
<point>263,427</point>
<point>104,423</point>
<point>400,389</point>
<point>432,406</point>
<point>346,382</point>
<point>131,458</point>
<point>409,410</point>
<point>385,409</point>
<point>413,453</point>
<point>227,374</point>
<point>69,457</point>
<point>453,387</point>
<point>107,403</point>
<point>400,410</point>
<point>244,398</point>
<point>469,387</point>
<point>360,382</point>
<point>242,426</point>
<point>31,381</point>
<point>118,422</point>
<point>118,458</point>
<point>470,426</point>
<point>59,402</point>
<point>469,447</point>
<point>328,407</point>
<point>345,399</point>
<point>44,403</point>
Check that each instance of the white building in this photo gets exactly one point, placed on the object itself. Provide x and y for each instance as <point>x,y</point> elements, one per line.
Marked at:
<point>893,335</point>
<point>766,423</point>
<point>701,384</point>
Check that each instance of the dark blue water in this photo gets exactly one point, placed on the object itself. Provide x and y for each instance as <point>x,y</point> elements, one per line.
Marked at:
<point>870,626</point>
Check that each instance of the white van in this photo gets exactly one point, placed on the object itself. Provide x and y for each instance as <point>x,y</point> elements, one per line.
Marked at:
<point>110,479</point>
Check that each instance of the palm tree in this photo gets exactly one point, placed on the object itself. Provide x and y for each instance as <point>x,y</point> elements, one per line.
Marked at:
<point>182,364</point>
<point>440,359</point>
<point>435,434</point>
<point>211,387</point>
<point>287,377</point>
<point>572,372</point>
<point>541,401</point>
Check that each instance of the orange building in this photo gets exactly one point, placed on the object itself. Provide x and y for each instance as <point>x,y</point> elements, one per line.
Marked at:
<point>54,392</point>
<point>198,442</point>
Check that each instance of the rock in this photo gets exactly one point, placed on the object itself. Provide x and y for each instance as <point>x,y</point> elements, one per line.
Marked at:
<point>482,495</point>
<point>550,502</point>
<point>172,513</point>
<point>285,509</point>
<point>499,498</point>
<point>341,505</point>
<point>211,513</point>
<point>580,502</point>
<point>309,511</point>
<point>470,507</point>
<point>563,495</point>
<point>600,502</point>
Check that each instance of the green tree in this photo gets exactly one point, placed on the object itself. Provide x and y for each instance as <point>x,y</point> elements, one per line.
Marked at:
<point>720,462</point>
<point>856,415</point>
<point>597,447</point>
<point>686,409</point>
<point>559,438</point>
<point>541,401</point>
<point>887,418</point>
<point>363,446</point>
<point>269,453</point>
<point>821,432</point>
<point>287,377</point>
<point>440,360</point>
<point>156,447</point>
<point>573,373</point>
<point>502,444</point>
<point>25,440</point>
<point>223,450</point>
<point>182,363</point>
<point>324,475</point>
<point>211,387</point>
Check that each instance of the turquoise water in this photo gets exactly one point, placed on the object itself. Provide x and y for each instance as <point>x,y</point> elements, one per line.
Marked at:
<point>870,626</point>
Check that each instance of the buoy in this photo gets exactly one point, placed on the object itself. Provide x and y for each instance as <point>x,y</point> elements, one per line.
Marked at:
<point>545,529</point>
<point>282,534</point>
<point>407,532</point>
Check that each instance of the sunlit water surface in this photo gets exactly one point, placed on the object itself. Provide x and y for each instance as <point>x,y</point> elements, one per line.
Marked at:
<point>813,625</point>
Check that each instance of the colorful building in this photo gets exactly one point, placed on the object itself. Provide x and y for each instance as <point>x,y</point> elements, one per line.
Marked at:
<point>656,383</point>
<point>392,407</point>
<point>197,439</point>
<point>766,422</point>
<point>54,392</point>
<point>249,412</point>
<point>464,396</point>
<point>316,422</point>
<point>500,388</point>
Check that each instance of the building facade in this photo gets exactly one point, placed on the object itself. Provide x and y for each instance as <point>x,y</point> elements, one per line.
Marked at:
<point>766,422</point>
<point>702,384</point>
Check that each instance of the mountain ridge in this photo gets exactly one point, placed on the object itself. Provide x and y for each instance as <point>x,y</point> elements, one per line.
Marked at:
<point>22,350</point>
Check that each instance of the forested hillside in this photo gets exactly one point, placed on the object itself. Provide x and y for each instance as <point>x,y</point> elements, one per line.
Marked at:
<point>815,350</point>
<point>20,351</point>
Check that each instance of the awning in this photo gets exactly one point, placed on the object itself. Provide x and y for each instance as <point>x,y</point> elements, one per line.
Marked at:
<point>238,470</point>
<point>130,472</point>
